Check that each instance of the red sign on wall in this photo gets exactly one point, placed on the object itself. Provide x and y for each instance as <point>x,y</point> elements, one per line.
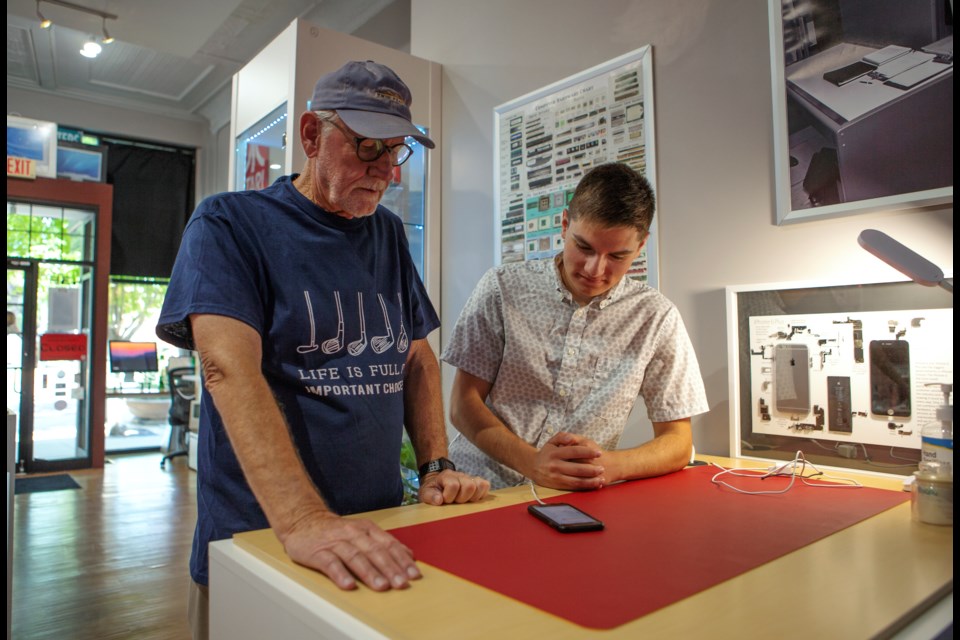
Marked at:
<point>63,346</point>
<point>257,174</point>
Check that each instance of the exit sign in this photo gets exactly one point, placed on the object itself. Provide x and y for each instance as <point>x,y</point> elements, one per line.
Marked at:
<point>21,167</point>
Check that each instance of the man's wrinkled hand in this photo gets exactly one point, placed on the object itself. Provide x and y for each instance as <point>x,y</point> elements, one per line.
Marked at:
<point>449,487</point>
<point>346,550</point>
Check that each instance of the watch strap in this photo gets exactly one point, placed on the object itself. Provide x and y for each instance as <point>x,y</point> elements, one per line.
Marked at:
<point>433,466</point>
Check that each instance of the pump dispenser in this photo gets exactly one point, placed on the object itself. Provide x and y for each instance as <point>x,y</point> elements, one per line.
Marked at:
<point>932,490</point>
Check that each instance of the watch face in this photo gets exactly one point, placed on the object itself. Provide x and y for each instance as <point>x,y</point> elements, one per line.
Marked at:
<point>436,465</point>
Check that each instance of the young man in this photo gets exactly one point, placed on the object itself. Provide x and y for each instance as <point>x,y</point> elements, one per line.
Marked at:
<point>551,355</point>
<point>277,289</point>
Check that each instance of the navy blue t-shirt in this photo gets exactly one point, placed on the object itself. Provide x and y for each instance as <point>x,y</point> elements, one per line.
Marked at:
<point>337,303</point>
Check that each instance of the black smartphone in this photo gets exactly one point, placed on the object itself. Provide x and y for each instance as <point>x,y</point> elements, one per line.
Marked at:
<point>890,378</point>
<point>849,73</point>
<point>565,517</point>
<point>791,378</point>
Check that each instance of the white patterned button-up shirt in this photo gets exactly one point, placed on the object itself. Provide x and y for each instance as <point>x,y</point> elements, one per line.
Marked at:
<point>556,366</point>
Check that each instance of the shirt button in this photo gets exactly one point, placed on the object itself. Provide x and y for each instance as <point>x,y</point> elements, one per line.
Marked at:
<point>570,352</point>
<point>550,430</point>
<point>563,393</point>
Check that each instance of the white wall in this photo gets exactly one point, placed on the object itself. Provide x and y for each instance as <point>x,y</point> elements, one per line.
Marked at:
<point>214,157</point>
<point>390,27</point>
<point>80,114</point>
<point>714,147</point>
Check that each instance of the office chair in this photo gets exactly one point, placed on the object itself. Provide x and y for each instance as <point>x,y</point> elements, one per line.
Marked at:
<point>183,390</point>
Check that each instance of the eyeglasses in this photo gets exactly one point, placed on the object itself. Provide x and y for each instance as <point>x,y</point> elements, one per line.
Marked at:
<point>370,149</point>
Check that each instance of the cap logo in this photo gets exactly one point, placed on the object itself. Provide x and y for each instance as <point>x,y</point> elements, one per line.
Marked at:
<point>389,94</point>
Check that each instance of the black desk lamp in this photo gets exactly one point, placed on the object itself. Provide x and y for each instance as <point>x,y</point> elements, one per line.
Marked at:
<point>905,260</point>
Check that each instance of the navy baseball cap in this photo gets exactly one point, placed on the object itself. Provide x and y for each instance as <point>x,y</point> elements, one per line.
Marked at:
<point>370,99</point>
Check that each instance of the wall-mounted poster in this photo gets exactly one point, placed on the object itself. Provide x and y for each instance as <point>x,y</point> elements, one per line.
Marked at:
<point>548,139</point>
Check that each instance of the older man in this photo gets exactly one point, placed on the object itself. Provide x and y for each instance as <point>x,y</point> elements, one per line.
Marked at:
<point>278,291</point>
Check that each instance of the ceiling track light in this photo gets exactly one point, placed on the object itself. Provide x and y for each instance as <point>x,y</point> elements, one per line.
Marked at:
<point>44,21</point>
<point>107,38</point>
<point>103,15</point>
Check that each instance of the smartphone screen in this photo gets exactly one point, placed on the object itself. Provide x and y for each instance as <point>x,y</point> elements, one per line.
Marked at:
<point>791,371</point>
<point>890,377</point>
<point>565,517</point>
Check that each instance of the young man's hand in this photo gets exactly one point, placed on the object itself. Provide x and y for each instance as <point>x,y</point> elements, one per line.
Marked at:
<point>570,462</point>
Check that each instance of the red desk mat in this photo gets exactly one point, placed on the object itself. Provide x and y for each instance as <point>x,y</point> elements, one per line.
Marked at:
<point>665,539</point>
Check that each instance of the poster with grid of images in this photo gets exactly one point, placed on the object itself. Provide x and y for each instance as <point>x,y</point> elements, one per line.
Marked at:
<point>547,140</point>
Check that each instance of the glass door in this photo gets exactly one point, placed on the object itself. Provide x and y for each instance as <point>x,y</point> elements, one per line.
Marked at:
<point>49,317</point>
<point>21,301</point>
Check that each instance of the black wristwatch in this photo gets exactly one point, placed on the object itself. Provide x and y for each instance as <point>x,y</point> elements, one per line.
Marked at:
<point>436,465</point>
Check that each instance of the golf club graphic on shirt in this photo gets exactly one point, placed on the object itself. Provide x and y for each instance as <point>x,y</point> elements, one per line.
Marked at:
<point>402,341</point>
<point>333,344</point>
<point>307,348</point>
<point>356,347</point>
<point>379,344</point>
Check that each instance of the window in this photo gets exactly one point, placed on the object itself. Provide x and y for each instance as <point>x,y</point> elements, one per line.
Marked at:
<point>134,309</point>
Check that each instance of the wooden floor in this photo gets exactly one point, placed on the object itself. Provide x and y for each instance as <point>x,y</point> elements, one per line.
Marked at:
<point>109,560</point>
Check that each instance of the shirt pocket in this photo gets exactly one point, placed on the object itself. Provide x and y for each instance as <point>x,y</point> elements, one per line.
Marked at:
<point>614,390</point>
<point>605,369</point>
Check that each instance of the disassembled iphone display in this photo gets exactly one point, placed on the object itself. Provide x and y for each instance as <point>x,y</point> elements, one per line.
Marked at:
<point>868,377</point>
<point>791,378</point>
<point>890,378</point>
<point>565,518</point>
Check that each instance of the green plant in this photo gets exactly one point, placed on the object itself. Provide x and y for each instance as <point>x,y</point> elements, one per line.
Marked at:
<point>408,472</point>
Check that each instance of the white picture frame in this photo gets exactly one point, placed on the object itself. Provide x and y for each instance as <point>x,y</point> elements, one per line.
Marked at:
<point>866,145</point>
<point>837,320</point>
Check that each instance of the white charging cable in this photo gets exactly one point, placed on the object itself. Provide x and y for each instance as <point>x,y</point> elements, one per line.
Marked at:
<point>533,490</point>
<point>795,468</point>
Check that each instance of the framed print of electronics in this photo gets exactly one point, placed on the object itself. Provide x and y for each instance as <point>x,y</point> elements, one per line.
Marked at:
<point>800,364</point>
<point>547,140</point>
<point>848,373</point>
<point>886,73</point>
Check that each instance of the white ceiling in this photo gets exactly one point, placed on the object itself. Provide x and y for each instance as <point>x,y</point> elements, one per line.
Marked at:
<point>170,56</point>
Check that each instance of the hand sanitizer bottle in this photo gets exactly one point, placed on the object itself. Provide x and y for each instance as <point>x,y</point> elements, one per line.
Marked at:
<point>936,438</point>
<point>932,490</point>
